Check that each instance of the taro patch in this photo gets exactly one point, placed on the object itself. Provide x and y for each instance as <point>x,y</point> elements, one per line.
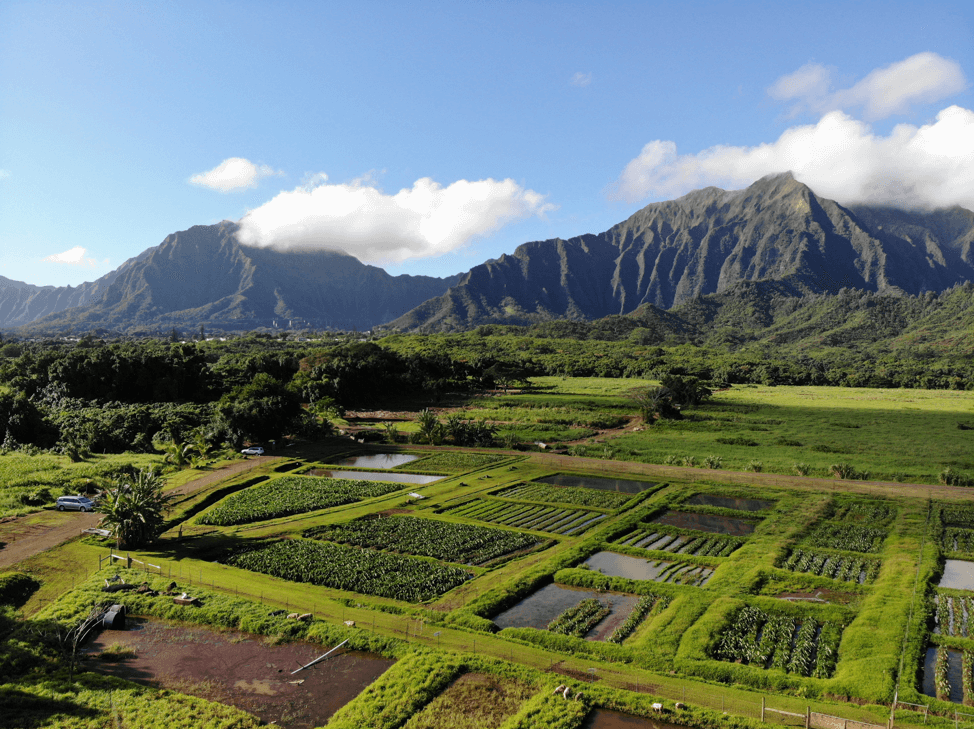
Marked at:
<point>551,519</point>
<point>565,495</point>
<point>678,541</point>
<point>846,536</point>
<point>716,523</point>
<point>634,568</point>
<point>729,502</point>
<point>842,567</point>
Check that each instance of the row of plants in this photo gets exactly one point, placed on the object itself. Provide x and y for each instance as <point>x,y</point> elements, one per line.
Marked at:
<point>647,604</point>
<point>454,462</point>
<point>565,495</point>
<point>681,542</point>
<point>957,515</point>
<point>461,543</point>
<point>292,495</point>
<point>579,619</point>
<point>549,519</point>
<point>836,566</point>
<point>952,615</point>
<point>957,539</point>
<point>755,637</point>
<point>681,573</point>
<point>364,571</point>
<point>846,536</point>
<point>861,511</point>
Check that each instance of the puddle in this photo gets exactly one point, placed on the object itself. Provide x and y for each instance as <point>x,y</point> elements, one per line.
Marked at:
<point>728,502</point>
<point>633,568</point>
<point>393,477</point>
<point>607,719</point>
<point>929,670</point>
<point>958,575</point>
<point>543,606</point>
<point>378,460</point>
<point>621,485</point>
<point>706,523</point>
<point>239,669</point>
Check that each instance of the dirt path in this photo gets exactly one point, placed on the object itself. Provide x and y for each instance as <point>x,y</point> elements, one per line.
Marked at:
<point>24,536</point>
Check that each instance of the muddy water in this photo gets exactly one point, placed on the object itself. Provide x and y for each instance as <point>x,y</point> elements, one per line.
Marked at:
<point>929,672</point>
<point>729,502</point>
<point>958,575</point>
<point>706,523</point>
<point>240,670</point>
<point>378,460</point>
<point>606,719</point>
<point>543,606</point>
<point>389,477</point>
<point>955,674</point>
<point>634,568</point>
<point>621,485</point>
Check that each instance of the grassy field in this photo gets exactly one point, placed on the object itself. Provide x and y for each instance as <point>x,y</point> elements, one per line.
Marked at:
<point>819,597</point>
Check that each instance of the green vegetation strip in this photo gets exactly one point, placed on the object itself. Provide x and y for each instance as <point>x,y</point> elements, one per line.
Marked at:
<point>357,570</point>
<point>847,537</point>
<point>292,495</point>
<point>579,619</point>
<point>461,543</point>
<point>567,495</point>
<point>836,566</point>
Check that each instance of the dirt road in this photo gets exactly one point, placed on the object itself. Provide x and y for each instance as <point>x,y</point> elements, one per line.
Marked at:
<point>24,536</point>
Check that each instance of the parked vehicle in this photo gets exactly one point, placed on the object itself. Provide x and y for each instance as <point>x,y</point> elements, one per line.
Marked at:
<point>253,451</point>
<point>75,503</point>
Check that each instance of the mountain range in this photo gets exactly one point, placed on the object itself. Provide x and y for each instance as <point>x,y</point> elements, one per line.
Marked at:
<point>667,255</point>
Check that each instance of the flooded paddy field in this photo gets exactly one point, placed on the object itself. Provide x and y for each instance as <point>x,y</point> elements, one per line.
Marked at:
<point>239,669</point>
<point>388,477</point>
<point>621,485</point>
<point>543,606</point>
<point>958,575</point>
<point>378,460</point>
<point>955,674</point>
<point>716,524</point>
<point>608,719</point>
<point>634,568</point>
<point>729,502</point>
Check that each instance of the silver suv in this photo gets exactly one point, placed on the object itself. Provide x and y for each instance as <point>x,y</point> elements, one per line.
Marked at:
<point>75,503</point>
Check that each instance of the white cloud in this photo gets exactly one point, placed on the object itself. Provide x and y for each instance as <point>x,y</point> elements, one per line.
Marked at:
<point>581,79</point>
<point>418,222</point>
<point>235,173</point>
<point>76,256</point>
<point>839,158</point>
<point>919,79</point>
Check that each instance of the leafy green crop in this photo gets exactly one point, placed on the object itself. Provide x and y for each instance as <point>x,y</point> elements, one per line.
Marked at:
<point>357,570</point>
<point>567,495</point>
<point>569,522</point>
<point>292,495</point>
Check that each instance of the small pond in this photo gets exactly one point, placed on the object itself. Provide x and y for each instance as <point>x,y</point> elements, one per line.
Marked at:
<point>706,523</point>
<point>634,568</point>
<point>729,502</point>
<point>239,669</point>
<point>622,485</point>
<point>607,719</point>
<point>958,575</point>
<point>543,606</point>
<point>388,477</point>
<point>378,460</point>
<point>955,674</point>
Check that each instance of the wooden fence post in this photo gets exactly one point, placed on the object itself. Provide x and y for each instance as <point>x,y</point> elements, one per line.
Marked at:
<point>762,708</point>
<point>808,717</point>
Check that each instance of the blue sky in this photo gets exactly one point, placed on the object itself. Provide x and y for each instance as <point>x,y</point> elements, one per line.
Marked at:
<point>428,137</point>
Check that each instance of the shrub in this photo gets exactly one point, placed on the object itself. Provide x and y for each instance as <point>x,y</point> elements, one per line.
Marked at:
<point>688,461</point>
<point>848,472</point>
<point>802,469</point>
<point>713,462</point>
<point>754,466</point>
<point>671,460</point>
<point>738,441</point>
<point>950,477</point>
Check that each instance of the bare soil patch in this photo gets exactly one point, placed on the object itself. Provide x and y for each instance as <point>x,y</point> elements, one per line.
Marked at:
<point>26,536</point>
<point>239,669</point>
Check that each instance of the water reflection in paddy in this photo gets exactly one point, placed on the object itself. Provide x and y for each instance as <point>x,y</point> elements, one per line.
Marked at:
<point>621,485</point>
<point>958,575</point>
<point>634,568</point>
<point>607,719</point>
<point>378,460</point>
<point>706,523</point>
<point>388,477</point>
<point>955,674</point>
<point>543,606</point>
<point>729,502</point>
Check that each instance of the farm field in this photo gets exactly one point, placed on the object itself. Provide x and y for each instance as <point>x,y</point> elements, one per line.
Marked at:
<point>509,571</point>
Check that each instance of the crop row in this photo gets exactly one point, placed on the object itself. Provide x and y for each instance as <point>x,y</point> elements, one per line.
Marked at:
<point>580,619</point>
<point>529,516</point>
<point>836,566</point>
<point>681,573</point>
<point>292,495</point>
<point>862,511</point>
<point>958,515</point>
<point>348,568</point>
<point>647,604</point>
<point>953,616</point>
<point>566,495</point>
<point>462,543</point>
<point>956,539</point>
<point>847,537</point>
<point>700,546</point>
<point>806,648</point>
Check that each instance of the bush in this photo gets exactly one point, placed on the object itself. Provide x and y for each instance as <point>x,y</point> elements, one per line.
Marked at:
<point>755,466</point>
<point>713,462</point>
<point>950,477</point>
<point>848,472</point>
<point>802,469</point>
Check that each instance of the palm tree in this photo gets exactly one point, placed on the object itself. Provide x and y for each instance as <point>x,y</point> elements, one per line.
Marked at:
<point>133,510</point>
<point>178,454</point>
